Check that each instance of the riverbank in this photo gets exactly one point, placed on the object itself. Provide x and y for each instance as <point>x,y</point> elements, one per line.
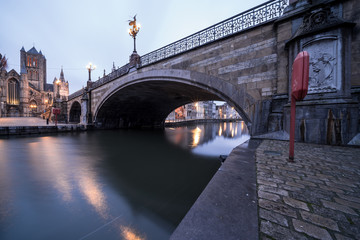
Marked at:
<point>227,208</point>
<point>198,121</point>
<point>257,193</point>
<point>32,126</point>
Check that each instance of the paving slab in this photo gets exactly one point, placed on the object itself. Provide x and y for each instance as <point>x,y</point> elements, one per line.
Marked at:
<point>322,191</point>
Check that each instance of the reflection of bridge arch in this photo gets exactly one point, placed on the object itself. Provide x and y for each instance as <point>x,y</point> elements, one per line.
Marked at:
<point>75,112</point>
<point>145,99</point>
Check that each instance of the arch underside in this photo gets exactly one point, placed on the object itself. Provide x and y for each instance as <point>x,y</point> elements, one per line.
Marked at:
<point>75,112</point>
<point>147,104</point>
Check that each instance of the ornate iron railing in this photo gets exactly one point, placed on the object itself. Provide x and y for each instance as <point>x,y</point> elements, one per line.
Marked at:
<point>111,76</point>
<point>251,18</point>
<point>258,15</point>
<point>76,94</point>
<point>108,78</point>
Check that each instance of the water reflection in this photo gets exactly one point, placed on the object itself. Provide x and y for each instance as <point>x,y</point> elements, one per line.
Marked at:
<point>106,184</point>
<point>196,136</point>
<point>212,139</point>
<point>91,189</point>
<point>46,162</point>
<point>130,234</point>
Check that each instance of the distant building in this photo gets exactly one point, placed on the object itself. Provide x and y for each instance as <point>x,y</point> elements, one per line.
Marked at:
<point>28,93</point>
<point>203,110</point>
<point>225,111</point>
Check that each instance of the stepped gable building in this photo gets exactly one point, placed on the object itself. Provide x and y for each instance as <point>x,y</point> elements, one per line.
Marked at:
<point>27,93</point>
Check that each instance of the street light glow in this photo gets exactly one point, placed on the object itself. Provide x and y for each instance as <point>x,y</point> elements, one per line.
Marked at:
<point>90,67</point>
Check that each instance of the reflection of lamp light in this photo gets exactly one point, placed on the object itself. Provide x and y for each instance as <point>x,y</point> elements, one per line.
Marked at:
<point>130,234</point>
<point>196,136</point>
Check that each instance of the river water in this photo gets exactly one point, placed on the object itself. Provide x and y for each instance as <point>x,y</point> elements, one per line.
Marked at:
<point>122,184</point>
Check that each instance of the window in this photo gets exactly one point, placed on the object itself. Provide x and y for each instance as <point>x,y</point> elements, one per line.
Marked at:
<point>13,92</point>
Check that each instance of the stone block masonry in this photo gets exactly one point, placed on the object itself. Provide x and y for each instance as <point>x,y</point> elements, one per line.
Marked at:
<point>316,197</point>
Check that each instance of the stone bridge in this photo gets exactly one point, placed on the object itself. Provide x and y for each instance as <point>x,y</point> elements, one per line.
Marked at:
<point>246,61</point>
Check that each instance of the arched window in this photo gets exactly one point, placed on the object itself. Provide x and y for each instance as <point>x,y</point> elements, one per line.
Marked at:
<point>33,106</point>
<point>13,92</point>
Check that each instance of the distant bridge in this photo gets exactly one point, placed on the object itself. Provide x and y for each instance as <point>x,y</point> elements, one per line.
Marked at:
<point>245,61</point>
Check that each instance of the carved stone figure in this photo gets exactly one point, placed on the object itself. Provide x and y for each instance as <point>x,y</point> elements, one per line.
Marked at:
<point>322,71</point>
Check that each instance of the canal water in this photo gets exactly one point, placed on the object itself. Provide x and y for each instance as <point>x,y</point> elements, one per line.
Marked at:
<point>122,184</point>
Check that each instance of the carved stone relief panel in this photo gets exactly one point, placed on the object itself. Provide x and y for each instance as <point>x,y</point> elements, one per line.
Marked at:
<point>325,63</point>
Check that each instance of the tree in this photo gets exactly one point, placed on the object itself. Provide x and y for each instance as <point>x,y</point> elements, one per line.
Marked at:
<point>3,62</point>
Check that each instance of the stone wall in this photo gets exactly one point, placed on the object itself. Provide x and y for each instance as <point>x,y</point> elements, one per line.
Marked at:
<point>351,12</point>
<point>248,60</point>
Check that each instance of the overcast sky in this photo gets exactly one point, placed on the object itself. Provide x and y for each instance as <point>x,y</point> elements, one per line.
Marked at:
<point>71,33</point>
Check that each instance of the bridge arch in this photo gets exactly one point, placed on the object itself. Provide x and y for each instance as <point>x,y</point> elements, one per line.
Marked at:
<point>146,98</point>
<point>75,112</point>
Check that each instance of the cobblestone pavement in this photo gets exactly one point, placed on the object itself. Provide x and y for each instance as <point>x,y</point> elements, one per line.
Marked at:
<point>316,197</point>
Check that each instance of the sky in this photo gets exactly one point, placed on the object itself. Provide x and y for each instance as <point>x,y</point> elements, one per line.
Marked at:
<point>72,33</point>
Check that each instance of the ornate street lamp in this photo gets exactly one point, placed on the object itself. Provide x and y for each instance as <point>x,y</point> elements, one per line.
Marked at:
<point>90,67</point>
<point>133,31</point>
<point>58,88</point>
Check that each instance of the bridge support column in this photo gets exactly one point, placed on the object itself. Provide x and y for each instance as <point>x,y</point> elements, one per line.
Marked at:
<point>84,110</point>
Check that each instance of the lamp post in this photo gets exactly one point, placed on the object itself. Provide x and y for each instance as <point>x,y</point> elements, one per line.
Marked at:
<point>58,88</point>
<point>90,67</point>
<point>133,31</point>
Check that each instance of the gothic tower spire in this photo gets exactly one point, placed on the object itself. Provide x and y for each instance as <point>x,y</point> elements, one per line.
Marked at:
<point>62,75</point>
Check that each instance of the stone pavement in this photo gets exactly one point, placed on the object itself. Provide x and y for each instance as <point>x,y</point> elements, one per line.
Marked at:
<point>23,121</point>
<point>34,126</point>
<point>316,197</point>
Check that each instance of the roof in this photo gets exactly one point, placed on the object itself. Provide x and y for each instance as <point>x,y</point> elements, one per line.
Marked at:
<point>33,51</point>
<point>49,87</point>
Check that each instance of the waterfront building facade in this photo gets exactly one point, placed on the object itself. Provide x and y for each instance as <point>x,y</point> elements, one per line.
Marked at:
<point>203,110</point>
<point>27,93</point>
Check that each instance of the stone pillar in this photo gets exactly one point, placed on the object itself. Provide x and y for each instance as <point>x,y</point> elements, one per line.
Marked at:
<point>84,109</point>
<point>134,59</point>
<point>1,108</point>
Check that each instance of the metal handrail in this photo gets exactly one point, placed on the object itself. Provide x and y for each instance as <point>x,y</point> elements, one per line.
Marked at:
<point>263,13</point>
<point>76,94</point>
<point>260,14</point>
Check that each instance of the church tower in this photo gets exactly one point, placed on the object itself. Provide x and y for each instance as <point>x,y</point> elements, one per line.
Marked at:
<point>35,64</point>
<point>61,86</point>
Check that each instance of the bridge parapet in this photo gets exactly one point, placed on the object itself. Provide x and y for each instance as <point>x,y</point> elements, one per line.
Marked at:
<point>76,94</point>
<point>111,76</point>
<point>251,18</point>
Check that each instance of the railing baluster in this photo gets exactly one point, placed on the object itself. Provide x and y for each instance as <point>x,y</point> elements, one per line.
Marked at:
<point>248,19</point>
